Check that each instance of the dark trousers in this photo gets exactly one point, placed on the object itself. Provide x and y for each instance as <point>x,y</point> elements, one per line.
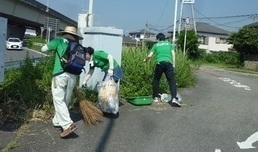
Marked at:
<point>167,68</point>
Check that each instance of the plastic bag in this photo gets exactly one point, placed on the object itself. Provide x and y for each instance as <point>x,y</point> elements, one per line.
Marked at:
<point>108,100</point>
<point>164,97</point>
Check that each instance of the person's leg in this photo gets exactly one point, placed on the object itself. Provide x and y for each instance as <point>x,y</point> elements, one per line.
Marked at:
<point>169,72</point>
<point>156,79</point>
<point>62,116</point>
<point>105,76</point>
<point>71,82</point>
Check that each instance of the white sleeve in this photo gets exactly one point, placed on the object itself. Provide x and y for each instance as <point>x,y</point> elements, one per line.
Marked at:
<point>111,61</point>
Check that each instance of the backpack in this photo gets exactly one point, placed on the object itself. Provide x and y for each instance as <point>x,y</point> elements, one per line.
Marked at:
<point>73,60</point>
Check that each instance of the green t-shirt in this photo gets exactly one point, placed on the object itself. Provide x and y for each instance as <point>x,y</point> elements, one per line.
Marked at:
<point>100,60</point>
<point>59,45</point>
<point>162,50</point>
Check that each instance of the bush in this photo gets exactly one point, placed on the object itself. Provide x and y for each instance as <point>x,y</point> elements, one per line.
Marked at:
<point>36,42</point>
<point>25,89</point>
<point>230,58</point>
<point>139,75</point>
<point>28,87</point>
<point>185,75</point>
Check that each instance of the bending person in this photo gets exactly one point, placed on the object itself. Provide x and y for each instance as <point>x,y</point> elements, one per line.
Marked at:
<point>104,61</point>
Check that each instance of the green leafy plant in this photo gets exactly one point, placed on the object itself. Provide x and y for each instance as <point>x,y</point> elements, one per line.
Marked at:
<point>139,75</point>
<point>36,42</point>
<point>192,43</point>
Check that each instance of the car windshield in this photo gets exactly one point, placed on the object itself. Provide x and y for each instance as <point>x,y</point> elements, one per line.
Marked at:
<point>14,40</point>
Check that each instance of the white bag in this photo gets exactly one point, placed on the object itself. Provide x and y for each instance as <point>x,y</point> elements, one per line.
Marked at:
<point>108,100</point>
<point>164,97</point>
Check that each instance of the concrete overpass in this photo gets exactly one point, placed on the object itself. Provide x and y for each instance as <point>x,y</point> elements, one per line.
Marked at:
<point>30,14</point>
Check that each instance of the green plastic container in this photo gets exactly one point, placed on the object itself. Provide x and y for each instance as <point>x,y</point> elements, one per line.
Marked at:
<point>140,100</point>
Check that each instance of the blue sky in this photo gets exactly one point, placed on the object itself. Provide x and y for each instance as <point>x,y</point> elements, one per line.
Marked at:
<point>132,15</point>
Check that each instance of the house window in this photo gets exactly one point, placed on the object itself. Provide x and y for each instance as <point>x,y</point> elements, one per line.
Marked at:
<point>206,40</point>
<point>217,40</point>
<point>223,40</point>
<point>201,39</point>
<point>220,40</point>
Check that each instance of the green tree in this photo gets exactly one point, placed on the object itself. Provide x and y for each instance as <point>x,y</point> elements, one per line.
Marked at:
<point>192,44</point>
<point>245,40</point>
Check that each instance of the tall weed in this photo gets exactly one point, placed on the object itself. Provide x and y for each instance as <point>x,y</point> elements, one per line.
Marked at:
<point>139,75</point>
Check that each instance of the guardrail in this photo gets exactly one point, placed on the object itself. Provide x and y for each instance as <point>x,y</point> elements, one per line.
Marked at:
<point>18,64</point>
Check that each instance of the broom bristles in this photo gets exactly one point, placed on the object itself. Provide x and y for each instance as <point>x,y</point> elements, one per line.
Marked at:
<point>91,114</point>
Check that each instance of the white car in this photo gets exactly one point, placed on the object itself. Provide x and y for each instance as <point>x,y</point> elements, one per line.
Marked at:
<point>14,44</point>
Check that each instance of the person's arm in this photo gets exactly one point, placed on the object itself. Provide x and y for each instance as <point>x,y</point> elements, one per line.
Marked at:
<point>111,62</point>
<point>148,57</point>
<point>173,57</point>
<point>44,48</point>
<point>88,76</point>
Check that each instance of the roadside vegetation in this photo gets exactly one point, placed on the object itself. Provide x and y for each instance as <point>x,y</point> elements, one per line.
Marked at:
<point>27,89</point>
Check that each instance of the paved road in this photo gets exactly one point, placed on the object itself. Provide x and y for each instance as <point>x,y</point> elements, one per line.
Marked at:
<point>218,112</point>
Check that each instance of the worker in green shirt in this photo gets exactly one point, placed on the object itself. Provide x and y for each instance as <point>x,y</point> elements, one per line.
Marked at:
<point>104,61</point>
<point>165,63</point>
<point>63,82</point>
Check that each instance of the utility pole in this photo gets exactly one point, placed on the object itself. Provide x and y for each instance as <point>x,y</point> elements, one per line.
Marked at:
<point>174,29</point>
<point>194,23</point>
<point>180,17</point>
<point>90,14</point>
<point>144,33</point>
<point>191,2</point>
<point>47,6</point>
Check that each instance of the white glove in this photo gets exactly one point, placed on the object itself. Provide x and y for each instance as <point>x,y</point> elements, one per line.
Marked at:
<point>84,84</point>
<point>110,72</point>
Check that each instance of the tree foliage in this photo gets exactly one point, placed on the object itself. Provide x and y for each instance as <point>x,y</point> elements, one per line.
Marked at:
<point>192,44</point>
<point>245,40</point>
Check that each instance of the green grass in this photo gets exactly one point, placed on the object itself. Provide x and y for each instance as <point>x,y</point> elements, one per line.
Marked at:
<point>230,67</point>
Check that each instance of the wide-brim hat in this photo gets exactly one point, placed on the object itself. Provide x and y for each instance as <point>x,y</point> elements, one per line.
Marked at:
<point>69,30</point>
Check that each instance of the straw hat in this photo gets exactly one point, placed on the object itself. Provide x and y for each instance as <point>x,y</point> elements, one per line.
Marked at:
<point>70,30</point>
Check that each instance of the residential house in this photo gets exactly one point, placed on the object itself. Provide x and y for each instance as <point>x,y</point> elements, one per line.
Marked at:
<point>212,38</point>
<point>141,34</point>
<point>129,41</point>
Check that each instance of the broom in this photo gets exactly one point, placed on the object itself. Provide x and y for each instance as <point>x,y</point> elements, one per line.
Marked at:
<point>91,114</point>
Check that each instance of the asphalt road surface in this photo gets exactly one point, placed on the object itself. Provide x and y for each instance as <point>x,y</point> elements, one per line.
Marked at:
<point>219,114</point>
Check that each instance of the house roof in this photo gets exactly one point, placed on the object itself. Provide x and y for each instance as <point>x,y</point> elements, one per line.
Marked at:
<point>253,25</point>
<point>207,28</point>
<point>142,32</point>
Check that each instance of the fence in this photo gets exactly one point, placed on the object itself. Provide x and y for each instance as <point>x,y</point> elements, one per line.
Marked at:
<point>18,64</point>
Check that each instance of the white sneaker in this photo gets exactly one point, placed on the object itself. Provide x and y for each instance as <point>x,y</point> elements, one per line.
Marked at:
<point>179,98</point>
<point>176,103</point>
<point>156,99</point>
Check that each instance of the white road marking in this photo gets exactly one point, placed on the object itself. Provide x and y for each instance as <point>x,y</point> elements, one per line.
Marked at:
<point>249,141</point>
<point>217,150</point>
<point>235,83</point>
